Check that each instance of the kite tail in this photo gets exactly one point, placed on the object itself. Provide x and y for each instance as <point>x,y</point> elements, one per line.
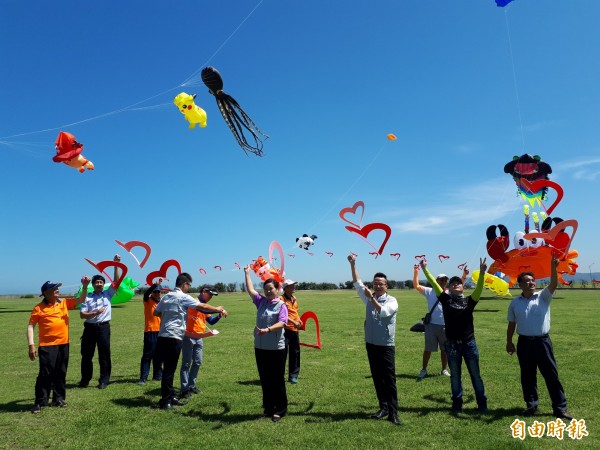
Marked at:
<point>240,119</point>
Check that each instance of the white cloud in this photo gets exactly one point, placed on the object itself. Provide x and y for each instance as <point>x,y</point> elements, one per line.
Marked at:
<point>468,206</point>
<point>588,169</point>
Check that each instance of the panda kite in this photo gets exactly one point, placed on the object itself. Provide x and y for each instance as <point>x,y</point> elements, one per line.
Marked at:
<point>305,241</point>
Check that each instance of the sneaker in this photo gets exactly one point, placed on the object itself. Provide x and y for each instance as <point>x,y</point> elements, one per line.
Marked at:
<point>36,409</point>
<point>186,394</point>
<point>294,380</point>
<point>445,372</point>
<point>82,384</point>
<point>276,418</point>
<point>422,374</point>
<point>59,404</point>
<point>156,378</point>
<point>141,383</point>
<point>102,386</point>
<point>195,390</point>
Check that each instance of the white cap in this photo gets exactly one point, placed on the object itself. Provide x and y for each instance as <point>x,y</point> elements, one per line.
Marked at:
<point>288,282</point>
<point>441,275</point>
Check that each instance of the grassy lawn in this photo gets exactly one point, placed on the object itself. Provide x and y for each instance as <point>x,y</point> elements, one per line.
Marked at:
<point>330,404</point>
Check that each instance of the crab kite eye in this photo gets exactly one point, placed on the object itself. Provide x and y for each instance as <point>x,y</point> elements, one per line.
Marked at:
<point>536,242</point>
<point>520,241</point>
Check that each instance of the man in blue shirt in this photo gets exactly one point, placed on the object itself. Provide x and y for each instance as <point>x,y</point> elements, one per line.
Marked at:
<point>172,310</point>
<point>529,314</point>
<point>97,311</point>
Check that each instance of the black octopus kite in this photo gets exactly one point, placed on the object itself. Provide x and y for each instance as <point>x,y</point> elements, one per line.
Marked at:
<point>236,118</point>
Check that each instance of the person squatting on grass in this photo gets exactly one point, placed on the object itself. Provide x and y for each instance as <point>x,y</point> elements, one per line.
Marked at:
<point>52,316</point>
<point>269,346</point>
<point>151,329</point>
<point>460,333</point>
<point>529,314</point>
<point>380,332</point>
<point>172,310</point>
<point>292,328</point>
<point>96,309</point>
<point>192,349</point>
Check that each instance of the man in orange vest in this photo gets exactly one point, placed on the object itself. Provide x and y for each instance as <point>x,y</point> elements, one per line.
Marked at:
<point>52,315</point>
<point>294,324</point>
<point>192,347</point>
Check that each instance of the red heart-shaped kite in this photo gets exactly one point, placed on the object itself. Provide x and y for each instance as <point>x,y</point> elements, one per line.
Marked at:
<point>555,236</point>
<point>352,210</point>
<point>539,185</point>
<point>102,265</point>
<point>162,272</point>
<point>129,245</point>
<point>304,318</point>
<point>364,232</point>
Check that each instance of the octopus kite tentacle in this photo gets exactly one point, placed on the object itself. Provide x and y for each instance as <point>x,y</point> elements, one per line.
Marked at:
<point>235,117</point>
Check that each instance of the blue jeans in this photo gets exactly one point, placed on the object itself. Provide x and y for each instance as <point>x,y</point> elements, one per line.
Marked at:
<point>467,350</point>
<point>192,351</point>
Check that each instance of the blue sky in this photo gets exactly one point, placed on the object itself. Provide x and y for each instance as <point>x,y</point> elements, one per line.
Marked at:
<point>464,85</point>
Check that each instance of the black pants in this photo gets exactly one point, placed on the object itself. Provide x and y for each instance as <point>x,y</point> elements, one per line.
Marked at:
<point>382,361</point>
<point>538,353</point>
<point>168,350</point>
<point>292,347</point>
<point>149,354</point>
<point>271,371</point>
<point>54,360</point>
<point>95,334</point>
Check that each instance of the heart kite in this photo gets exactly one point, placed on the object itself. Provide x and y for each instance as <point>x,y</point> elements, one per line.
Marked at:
<point>304,318</point>
<point>102,265</point>
<point>443,257</point>
<point>162,272</point>
<point>554,236</point>
<point>539,185</point>
<point>129,245</point>
<point>364,232</point>
<point>281,271</point>
<point>352,210</point>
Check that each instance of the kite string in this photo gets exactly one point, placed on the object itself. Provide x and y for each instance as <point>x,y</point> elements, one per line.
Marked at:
<point>350,188</point>
<point>197,72</point>
<point>514,72</point>
<point>130,107</point>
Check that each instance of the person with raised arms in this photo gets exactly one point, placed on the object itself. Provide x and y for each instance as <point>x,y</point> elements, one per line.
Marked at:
<point>460,333</point>
<point>380,332</point>
<point>269,346</point>
<point>529,315</point>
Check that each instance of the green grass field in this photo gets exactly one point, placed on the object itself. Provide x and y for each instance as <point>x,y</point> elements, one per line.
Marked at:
<point>330,404</point>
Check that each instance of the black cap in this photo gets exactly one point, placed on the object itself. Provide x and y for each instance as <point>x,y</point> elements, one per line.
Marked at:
<point>49,285</point>
<point>455,280</point>
<point>209,288</point>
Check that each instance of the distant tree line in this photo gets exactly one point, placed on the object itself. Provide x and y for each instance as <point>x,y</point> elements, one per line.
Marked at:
<point>392,284</point>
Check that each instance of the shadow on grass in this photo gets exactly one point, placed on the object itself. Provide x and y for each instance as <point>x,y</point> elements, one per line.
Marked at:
<point>249,382</point>
<point>224,418</point>
<point>17,406</point>
<point>469,409</point>
<point>136,402</point>
<point>485,310</point>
